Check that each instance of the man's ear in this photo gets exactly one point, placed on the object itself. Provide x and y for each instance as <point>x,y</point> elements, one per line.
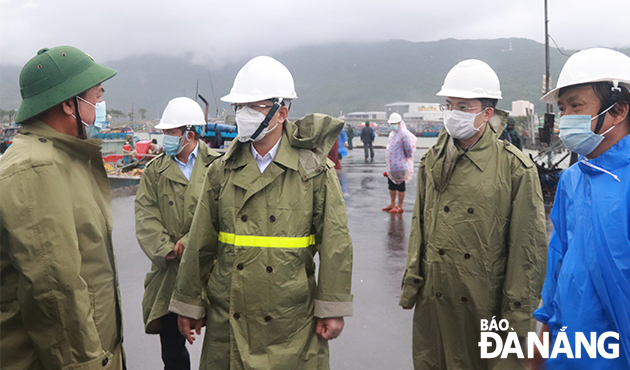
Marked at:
<point>620,114</point>
<point>68,107</point>
<point>488,113</point>
<point>282,113</point>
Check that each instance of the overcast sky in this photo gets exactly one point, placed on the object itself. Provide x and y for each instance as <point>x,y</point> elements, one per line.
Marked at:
<point>215,32</point>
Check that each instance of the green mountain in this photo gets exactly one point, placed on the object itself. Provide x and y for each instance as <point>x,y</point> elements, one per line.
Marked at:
<point>331,78</point>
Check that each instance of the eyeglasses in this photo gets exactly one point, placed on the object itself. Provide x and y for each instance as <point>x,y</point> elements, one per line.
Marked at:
<point>255,106</point>
<point>460,107</point>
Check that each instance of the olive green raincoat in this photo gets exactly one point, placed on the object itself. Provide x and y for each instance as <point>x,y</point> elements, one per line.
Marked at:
<point>263,230</point>
<point>165,203</point>
<point>59,298</point>
<point>477,249</point>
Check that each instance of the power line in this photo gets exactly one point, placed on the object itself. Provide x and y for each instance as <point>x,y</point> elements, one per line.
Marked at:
<point>557,47</point>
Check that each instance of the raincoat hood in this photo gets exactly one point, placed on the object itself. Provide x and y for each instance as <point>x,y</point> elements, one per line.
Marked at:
<point>313,136</point>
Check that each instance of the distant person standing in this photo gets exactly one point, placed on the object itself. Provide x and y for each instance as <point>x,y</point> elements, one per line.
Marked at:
<point>154,148</point>
<point>350,133</point>
<point>367,137</point>
<point>516,139</point>
<point>401,148</point>
<point>343,146</point>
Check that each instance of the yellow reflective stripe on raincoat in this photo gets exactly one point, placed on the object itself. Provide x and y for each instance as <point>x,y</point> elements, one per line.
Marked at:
<point>266,241</point>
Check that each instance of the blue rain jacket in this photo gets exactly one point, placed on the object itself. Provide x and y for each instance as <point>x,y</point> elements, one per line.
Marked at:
<point>587,287</point>
<point>343,139</point>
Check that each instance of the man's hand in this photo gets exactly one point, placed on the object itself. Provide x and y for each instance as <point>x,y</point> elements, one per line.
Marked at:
<point>179,249</point>
<point>177,252</point>
<point>329,328</point>
<point>184,324</point>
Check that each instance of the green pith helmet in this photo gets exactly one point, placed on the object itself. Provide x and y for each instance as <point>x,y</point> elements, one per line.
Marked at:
<point>56,75</point>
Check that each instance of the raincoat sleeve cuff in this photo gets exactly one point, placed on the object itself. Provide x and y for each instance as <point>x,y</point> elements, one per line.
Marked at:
<point>410,288</point>
<point>160,256</point>
<point>187,310</point>
<point>94,364</point>
<point>521,320</point>
<point>325,309</point>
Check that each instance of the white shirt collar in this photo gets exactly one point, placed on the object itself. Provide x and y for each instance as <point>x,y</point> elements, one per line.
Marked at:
<point>261,161</point>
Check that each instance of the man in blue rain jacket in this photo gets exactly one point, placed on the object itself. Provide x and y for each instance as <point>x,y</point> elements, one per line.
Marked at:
<point>587,287</point>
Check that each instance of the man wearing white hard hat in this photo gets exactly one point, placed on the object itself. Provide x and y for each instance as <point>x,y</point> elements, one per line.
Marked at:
<point>478,240</point>
<point>587,287</point>
<point>267,207</point>
<point>165,202</point>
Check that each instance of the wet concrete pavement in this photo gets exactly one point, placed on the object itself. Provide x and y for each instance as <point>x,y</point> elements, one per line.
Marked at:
<point>378,336</point>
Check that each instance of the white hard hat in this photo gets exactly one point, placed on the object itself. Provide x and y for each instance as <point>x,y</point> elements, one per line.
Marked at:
<point>181,112</point>
<point>592,65</point>
<point>471,79</point>
<point>261,78</point>
<point>394,118</point>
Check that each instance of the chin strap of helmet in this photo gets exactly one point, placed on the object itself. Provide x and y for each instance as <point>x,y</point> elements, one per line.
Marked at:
<point>80,129</point>
<point>265,122</point>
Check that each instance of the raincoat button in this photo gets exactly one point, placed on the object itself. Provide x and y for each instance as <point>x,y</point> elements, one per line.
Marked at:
<point>267,318</point>
<point>239,266</point>
<point>170,202</point>
<point>464,299</point>
<point>272,218</point>
<point>237,316</point>
<point>42,140</point>
<point>441,252</point>
<point>244,218</point>
<point>471,210</point>
<point>446,209</point>
<point>438,295</point>
<point>416,281</point>
<point>105,361</point>
<point>269,269</point>
<point>517,304</point>
<point>163,240</point>
<point>467,255</point>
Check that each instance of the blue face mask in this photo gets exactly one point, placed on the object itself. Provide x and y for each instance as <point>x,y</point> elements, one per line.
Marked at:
<point>576,134</point>
<point>91,131</point>
<point>173,145</point>
<point>393,127</point>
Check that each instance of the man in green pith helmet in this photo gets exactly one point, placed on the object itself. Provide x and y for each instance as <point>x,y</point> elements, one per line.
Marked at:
<point>59,298</point>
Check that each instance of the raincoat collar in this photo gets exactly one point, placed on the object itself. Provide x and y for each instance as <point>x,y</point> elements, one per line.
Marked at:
<point>617,156</point>
<point>481,151</point>
<point>306,141</point>
<point>448,152</point>
<point>88,149</point>
<point>239,154</point>
<point>169,168</point>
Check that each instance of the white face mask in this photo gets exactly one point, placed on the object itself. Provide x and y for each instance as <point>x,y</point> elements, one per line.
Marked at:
<point>248,120</point>
<point>460,125</point>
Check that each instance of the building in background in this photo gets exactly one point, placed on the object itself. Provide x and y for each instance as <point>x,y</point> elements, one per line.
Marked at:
<point>522,108</point>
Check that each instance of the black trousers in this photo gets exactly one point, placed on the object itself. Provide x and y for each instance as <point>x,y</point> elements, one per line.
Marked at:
<point>368,149</point>
<point>174,353</point>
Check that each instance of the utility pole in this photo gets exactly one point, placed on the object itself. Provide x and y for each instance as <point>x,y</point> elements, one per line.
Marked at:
<point>547,60</point>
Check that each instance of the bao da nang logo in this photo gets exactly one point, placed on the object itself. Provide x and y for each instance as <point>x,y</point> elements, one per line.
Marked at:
<point>605,345</point>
